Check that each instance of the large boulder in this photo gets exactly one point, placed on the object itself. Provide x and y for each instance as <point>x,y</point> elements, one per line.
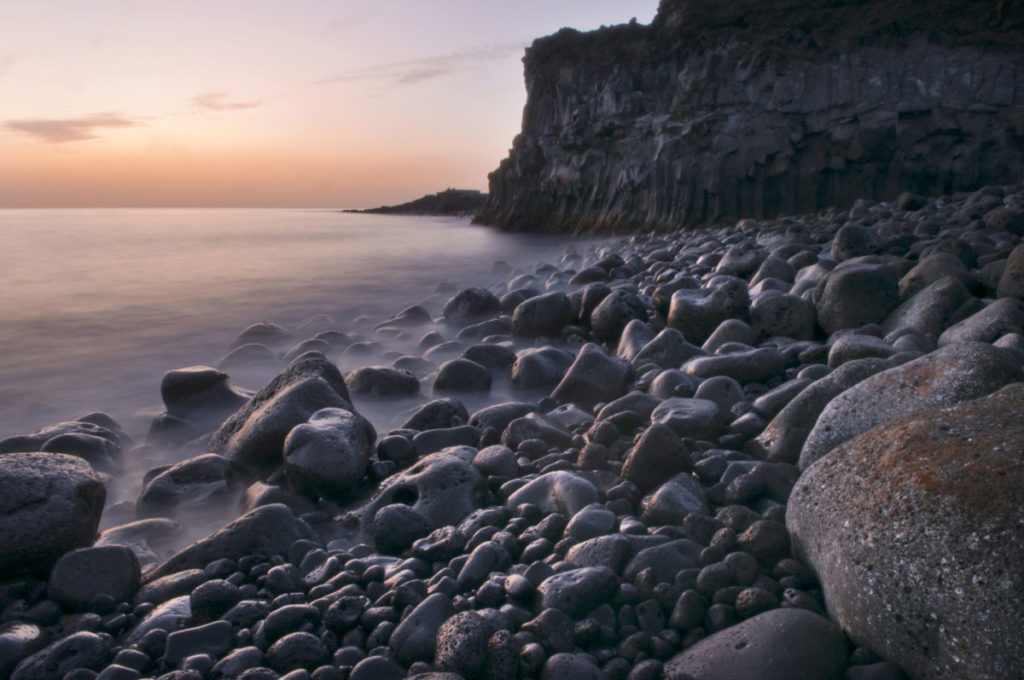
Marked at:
<point>698,312</point>
<point>328,454</point>
<point>949,375</point>
<point>268,530</point>
<point>254,435</point>
<point>781,644</point>
<point>51,503</point>
<point>914,530</point>
<point>592,378</point>
<point>195,482</point>
<point>201,395</point>
<point>854,294</point>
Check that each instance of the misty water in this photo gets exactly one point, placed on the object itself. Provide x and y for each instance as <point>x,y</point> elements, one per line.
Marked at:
<point>97,304</point>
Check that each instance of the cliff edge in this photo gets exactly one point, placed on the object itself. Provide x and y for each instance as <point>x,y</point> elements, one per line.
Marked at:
<point>718,111</point>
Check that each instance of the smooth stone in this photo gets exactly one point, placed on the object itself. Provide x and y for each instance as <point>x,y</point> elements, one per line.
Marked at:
<point>264,333</point>
<point>19,639</point>
<point>210,599</point>
<point>657,455</point>
<point>377,668</point>
<point>200,481</point>
<point>431,441</point>
<point>668,349</point>
<point>171,586</point>
<point>267,530</point>
<point>780,644</point>
<point>214,638</point>
<point>82,650</point>
<point>439,413</point>
<point>592,378</point>
<point>566,666</point>
<point>201,395</point>
<point>577,591</point>
<point>169,616</point>
<point>496,460</point>
<point>536,426</point>
<point>497,358</point>
<point>243,356</point>
<point>462,375</point>
<point>786,315</point>
<point>396,526</point>
<point>612,551</point>
<point>930,269</point>
<point>856,346</point>
<point>614,312</point>
<point>237,662</point>
<point>698,312</point>
<point>855,294</point>
<point>297,650</point>
<point>382,382</point>
<point>634,337</point>
<point>675,499</point>
<point>540,367</point>
<point>470,304</point>
<point>498,416</point>
<point>688,417</point>
<point>254,435</point>
<point>328,454</point>
<point>854,240</point>
<point>1005,315</point>
<point>543,316</point>
<point>558,491</point>
<point>1011,283</point>
<point>673,382</point>
<point>51,504</point>
<point>415,638</point>
<point>947,376</point>
<point>590,522</point>
<point>664,560</point>
<point>886,521</point>
<point>101,453</point>
<point>930,310</point>
<point>84,573</point>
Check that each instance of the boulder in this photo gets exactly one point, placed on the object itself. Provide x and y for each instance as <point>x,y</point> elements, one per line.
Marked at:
<point>543,316</point>
<point>855,294</point>
<point>51,503</point>
<point>201,395</point>
<point>592,378</point>
<point>437,413</point>
<point>193,483</point>
<point>328,454</point>
<point>269,530</point>
<point>558,491</point>
<point>382,382</point>
<point>947,376</point>
<point>81,575</point>
<point>614,312</point>
<point>1005,315</point>
<point>698,312</point>
<point>471,304</point>
<point>914,530</point>
<point>254,435</point>
<point>540,367</point>
<point>462,375</point>
<point>789,316</point>
<point>780,644</point>
<point>658,455</point>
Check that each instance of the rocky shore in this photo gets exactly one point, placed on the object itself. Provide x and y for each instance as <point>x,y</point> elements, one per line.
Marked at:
<point>777,449</point>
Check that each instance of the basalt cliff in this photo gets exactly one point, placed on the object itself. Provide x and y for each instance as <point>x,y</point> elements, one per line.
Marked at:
<point>717,111</point>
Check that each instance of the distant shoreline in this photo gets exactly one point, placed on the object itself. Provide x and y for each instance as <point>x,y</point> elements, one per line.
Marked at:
<point>450,202</point>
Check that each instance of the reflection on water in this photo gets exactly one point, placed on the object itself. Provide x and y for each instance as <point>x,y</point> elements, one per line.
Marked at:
<point>96,304</point>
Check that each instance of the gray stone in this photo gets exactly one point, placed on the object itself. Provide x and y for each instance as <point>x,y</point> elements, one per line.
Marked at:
<point>558,491</point>
<point>471,304</point>
<point>462,643</point>
<point>446,412</point>
<point>328,454</point>
<point>84,573</point>
<point>1005,315</point>
<point>856,346</point>
<point>567,666</point>
<point>79,650</point>
<point>415,638</point>
<point>697,313</point>
<point>947,376</point>
<point>665,560</point>
<point>721,389</point>
<point>201,395</point>
<point>51,504</point>
<point>19,639</point>
<point>614,312</point>
<point>1011,283</point>
<point>543,316</point>
<point>931,269</point>
<point>395,527</point>
<point>756,365</point>
<point>214,638</point>
<point>788,316</point>
<point>674,500</point>
<point>540,367</point>
<point>929,310</point>
<point>382,382</point>
<point>593,520</point>
<point>577,591</point>
<point>496,460</point>
<point>888,519</point>
<point>612,551</point>
<point>697,418</point>
<point>777,645</point>
<point>462,375</point>
<point>668,349</point>
<point>269,529</point>
<point>536,426</point>
<point>657,455</point>
<point>592,378</point>
<point>254,435</point>
<point>297,650</point>
<point>196,482</point>
<point>856,294</point>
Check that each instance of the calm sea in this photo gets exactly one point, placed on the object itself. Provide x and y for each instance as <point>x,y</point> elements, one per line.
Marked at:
<point>95,305</point>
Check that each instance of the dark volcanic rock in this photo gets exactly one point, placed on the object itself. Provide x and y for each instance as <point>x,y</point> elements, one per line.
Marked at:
<point>51,503</point>
<point>673,124</point>
<point>912,528</point>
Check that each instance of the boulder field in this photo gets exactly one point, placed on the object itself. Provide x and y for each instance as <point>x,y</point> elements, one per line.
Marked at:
<point>777,449</point>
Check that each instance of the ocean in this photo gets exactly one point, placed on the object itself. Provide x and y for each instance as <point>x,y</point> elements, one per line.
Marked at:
<point>96,304</point>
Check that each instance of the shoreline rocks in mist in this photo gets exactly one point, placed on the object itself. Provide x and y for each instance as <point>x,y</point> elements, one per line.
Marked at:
<point>629,497</point>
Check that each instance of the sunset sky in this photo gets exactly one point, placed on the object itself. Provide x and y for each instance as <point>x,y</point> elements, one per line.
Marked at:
<point>266,103</point>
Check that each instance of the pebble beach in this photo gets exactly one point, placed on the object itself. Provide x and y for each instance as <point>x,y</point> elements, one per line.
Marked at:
<point>784,448</point>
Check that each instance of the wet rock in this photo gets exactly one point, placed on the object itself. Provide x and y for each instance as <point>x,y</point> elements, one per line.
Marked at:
<point>254,435</point>
<point>658,455</point>
<point>540,367</point>
<point>443,487</point>
<point>213,638</point>
<point>614,312</point>
<point>264,333</point>
<point>496,460</point>
<point>200,481</point>
<point>886,519</point>
<point>18,640</point>
<point>780,644</point>
<point>51,504</point>
<point>382,382</point>
<point>931,269</point>
<point>668,349</point>
<point>854,240</point>
<point>789,316</point>
<point>462,375</point>
<point>558,491</point>
<point>673,500</point>
<point>1011,283</point>
<point>856,346</point>
<point>592,378</point>
<point>201,395</point>
<point>566,666</point>
<point>930,310</point>
<point>856,294</point>
<point>756,365</point>
<point>83,574</point>
<point>497,358</point>
<point>536,426</point>
<point>1005,315</point>
<point>471,304</point>
<point>697,418</point>
<point>664,561</point>
<point>698,312</point>
<point>577,591</point>
<point>436,414</point>
<point>328,454</point>
<point>949,375</point>
<point>543,316</point>
<point>396,526</point>
<point>267,530</point>
<point>415,638</point>
<point>83,650</point>
<point>612,551</point>
<point>443,438</point>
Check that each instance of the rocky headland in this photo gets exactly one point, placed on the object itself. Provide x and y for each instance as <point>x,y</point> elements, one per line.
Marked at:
<point>450,202</point>
<point>777,449</point>
<point>719,111</point>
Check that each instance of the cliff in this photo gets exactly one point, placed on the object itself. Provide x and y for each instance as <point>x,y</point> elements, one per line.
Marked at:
<point>717,111</point>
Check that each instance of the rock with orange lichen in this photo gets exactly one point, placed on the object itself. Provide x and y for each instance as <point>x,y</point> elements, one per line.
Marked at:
<point>916,531</point>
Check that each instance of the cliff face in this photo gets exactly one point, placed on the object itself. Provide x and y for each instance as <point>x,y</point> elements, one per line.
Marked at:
<point>757,109</point>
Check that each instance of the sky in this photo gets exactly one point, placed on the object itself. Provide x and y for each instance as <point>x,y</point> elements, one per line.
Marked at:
<point>265,103</point>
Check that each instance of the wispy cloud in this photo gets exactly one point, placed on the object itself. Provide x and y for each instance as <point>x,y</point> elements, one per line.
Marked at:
<point>61,130</point>
<point>222,101</point>
<point>414,71</point>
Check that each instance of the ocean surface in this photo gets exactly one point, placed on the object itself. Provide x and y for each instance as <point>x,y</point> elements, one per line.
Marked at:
<point>95,305</point>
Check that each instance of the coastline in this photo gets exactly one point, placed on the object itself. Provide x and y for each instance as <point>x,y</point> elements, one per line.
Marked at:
<point>623,504</point>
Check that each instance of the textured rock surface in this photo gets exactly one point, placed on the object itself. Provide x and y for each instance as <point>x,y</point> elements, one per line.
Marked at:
<point>717,111</point>
<point>914,528</point>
